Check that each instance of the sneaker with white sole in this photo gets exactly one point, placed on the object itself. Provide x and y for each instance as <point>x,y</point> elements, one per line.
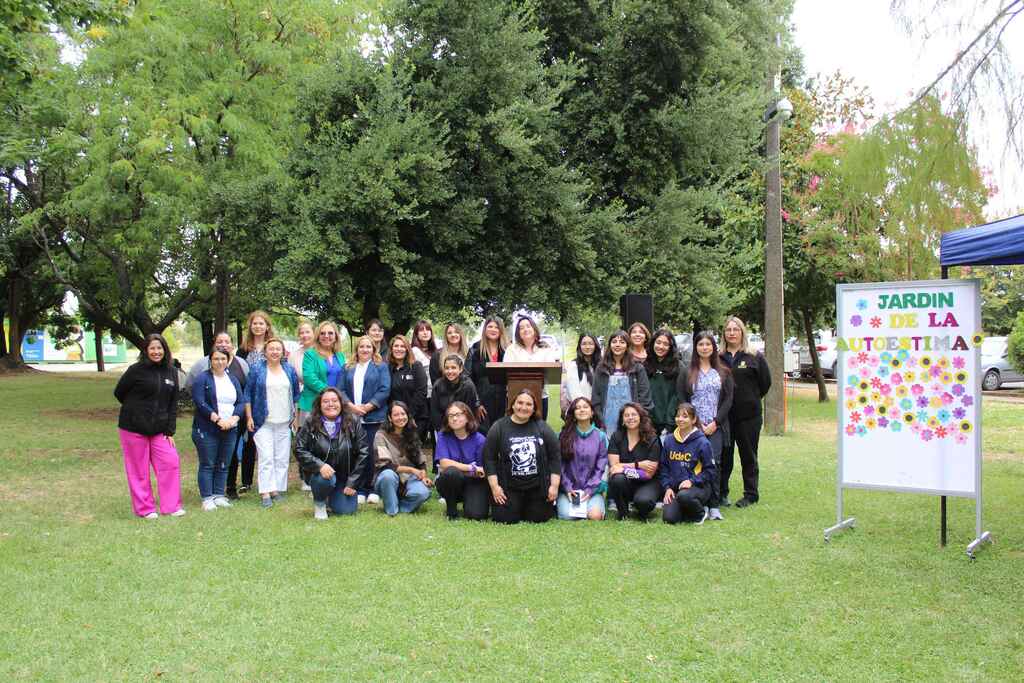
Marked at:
<point>361,499</point>
<point>715,513</point>
<point>373,499</point>
<point>320,511</point>
<point>209,505</point>
<point>178,513</point>
<point>151,515</point>
<point>704,517</point>
<point>222,502</point>
<point>306,487</point>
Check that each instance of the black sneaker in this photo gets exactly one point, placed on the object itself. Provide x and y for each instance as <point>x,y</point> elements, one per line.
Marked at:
<point>232,495</point>
<point>725,502</point>
<point>744,502</point>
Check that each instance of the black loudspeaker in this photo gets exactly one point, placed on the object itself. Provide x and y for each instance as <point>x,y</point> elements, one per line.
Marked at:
<point>636,308</point>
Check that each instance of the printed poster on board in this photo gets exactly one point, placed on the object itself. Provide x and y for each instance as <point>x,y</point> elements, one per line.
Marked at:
<point>907,371</point>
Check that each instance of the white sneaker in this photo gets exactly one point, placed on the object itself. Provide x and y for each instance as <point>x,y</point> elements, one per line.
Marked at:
<point>715,513</point>
<point>209,504</point>
<point>320,511</point>
<point>152,515</point>
<point>306,487</point>
<point>180,512</point>
<point>361,499</point>
<point>373,499</point>
<point>703,517</point>
<point>441,501</point>
<point>222,502</point>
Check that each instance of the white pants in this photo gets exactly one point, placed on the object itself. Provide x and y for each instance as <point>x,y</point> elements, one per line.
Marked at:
<point>274,446</point>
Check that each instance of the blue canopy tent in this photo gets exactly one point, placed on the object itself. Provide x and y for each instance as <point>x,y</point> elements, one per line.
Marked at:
<point>994,244</point>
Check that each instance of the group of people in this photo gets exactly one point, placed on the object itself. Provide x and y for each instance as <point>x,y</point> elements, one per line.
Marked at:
<point>641,425</point>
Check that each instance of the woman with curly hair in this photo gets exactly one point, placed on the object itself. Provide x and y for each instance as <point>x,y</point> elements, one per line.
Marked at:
<point>400,477</point>
<point>633,456</point>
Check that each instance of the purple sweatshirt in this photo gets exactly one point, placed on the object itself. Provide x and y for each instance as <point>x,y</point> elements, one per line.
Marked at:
<point>585,471</point>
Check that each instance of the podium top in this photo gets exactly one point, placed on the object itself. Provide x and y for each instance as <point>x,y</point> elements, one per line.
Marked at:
<point>550,371</point>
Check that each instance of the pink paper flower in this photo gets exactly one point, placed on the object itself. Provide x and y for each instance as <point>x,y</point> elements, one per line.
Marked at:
<point>917,390</point>
<point>959,362</point>
<point>896,378</point>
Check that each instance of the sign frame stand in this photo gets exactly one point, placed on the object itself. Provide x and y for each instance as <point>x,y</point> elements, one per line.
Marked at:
<point>842,523</point>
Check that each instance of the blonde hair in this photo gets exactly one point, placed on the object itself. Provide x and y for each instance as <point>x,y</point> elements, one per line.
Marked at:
<point>743,334</point>
<point>463,346</point>
<point>304,323</point>
<point>502,335</point>
<point>647,335</point>
<point>355,354</point>
<point>337,335</point>
<point>248,343</point>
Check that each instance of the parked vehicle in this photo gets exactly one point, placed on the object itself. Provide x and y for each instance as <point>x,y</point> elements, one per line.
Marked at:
<point>995,364</point>
<point>828,356</point>
<point>755,343</point>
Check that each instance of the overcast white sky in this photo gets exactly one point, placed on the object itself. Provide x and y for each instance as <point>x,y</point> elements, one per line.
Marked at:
<point>862,40</point>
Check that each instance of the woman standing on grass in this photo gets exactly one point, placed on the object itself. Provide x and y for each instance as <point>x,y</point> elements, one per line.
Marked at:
<point>401,478</point>
<point>366,383</point>
<point>460,459</point>
<point>639,341</point>
<point>333,453</point>
<point>453,386</point>
<point>220,405</point>
<point>408,380</point>
<point>271,396</point>
<point>528,347</point>
<point>578,374</point>
<point>663,367</point>
<point>522,459</point>
<point>752,380</point>
<point>454,343</point>
<point>322,365</point>
<point>584,459</point>
<point>258,330</point>
<point>708,386</point>
<point>687,470</point>
<point>619,380</point>
<point>237,367</point>
<point>423,349</point>
<point>633,457</point>
<point>307,340</point>
<point>148,393</point>
<point>490,349</point>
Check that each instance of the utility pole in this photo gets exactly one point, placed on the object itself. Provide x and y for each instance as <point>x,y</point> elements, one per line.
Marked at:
<point>774,304</point>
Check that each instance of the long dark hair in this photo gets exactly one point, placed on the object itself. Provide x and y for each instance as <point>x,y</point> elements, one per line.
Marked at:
<point>567,437</point>
<point>409,441</point>
<point>723,371</point>
<point>608,361</point>
<point>408,360</point>
<point>670,365</point>
<point>583,366</point>
<point>431,346</point>
<point>348,422</point>
<point>647,433</point>
<point>166,362</point>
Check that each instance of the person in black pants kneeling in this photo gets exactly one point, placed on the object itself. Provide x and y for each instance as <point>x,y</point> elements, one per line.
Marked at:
<point>523,463</point>
<point>460,458</point>
<point>687,470</point>
<point>633,456</point>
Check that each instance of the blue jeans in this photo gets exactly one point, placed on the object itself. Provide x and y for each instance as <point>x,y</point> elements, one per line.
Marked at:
<point>594,503</point>
<point>332,492</point>
<point>416,493</point>
<point>214,451</point>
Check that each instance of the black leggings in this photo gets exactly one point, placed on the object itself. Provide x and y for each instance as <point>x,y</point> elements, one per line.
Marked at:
<point>687,506</point>
<point>643,493</point>
<point>745,435</point>
<point>455,486</point>
<point>531,505</point>
<point>248,466</point>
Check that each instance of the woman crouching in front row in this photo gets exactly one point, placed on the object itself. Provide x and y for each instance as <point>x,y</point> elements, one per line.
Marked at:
<point>332,450</point>
<point>687,470</point>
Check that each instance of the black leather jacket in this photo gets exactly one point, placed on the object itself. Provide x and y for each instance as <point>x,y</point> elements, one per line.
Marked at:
<point>348,452</point>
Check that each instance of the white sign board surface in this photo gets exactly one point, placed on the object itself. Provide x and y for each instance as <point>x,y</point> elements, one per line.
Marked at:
<point>909,389</point>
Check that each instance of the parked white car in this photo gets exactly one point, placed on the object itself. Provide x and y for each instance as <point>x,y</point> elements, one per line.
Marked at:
<point>995,364</point>
<point>827,356</point>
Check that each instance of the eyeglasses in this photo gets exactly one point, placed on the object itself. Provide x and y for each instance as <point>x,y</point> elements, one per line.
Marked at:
<point>327,334</point>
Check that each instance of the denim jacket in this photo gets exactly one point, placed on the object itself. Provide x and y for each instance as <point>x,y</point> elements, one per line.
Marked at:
<point>256,391</point>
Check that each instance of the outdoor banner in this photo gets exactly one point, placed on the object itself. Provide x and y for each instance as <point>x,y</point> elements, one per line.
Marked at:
<point>909,387</point>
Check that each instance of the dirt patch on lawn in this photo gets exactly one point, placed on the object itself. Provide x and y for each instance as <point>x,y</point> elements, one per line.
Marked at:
<point>1003,457</point>
<point>108,414</point>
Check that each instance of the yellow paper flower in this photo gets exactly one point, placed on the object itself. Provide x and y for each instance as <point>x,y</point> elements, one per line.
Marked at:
<point>977,338</point>
<point>925,361</point>
<point>966,426</point>
<point>908,417</point>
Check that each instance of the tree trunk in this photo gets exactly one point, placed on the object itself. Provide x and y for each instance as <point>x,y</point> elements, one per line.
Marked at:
<point>815,360</point>
<point>220,314</point>
<point>17,330</point>
<point>238,333</point>
<point>3,333</point>
<point>207,330</point>
<point>101,364</point>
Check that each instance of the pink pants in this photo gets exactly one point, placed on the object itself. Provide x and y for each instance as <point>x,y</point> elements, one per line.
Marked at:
<point>141,451</point>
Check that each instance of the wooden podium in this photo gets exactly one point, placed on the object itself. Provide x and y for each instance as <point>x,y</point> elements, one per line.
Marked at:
<point>530,376</point>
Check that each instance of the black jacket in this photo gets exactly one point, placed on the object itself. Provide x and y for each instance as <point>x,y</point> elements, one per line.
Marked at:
<point>444,394</point>
<point>148,395</point>
<point>752,380</point>
<point>348,452</point>
<point>494,397</point>
<point>639,390</point>
<point>685,392</point>
<point>409,385</point>
<point>436,372</point>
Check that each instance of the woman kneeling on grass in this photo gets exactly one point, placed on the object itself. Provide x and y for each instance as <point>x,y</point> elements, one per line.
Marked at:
<point>687,470</point>
<point>633,457</point>
<point>401,478</point>
<point>460,459</point>
<point>523,464</point>
<point>584,459</point>
<point>333,452</point>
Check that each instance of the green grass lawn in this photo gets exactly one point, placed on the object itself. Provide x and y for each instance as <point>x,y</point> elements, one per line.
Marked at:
<point>91,593</point>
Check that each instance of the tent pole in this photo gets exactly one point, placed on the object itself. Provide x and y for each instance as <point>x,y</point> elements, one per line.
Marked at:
<point>942,503</point>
